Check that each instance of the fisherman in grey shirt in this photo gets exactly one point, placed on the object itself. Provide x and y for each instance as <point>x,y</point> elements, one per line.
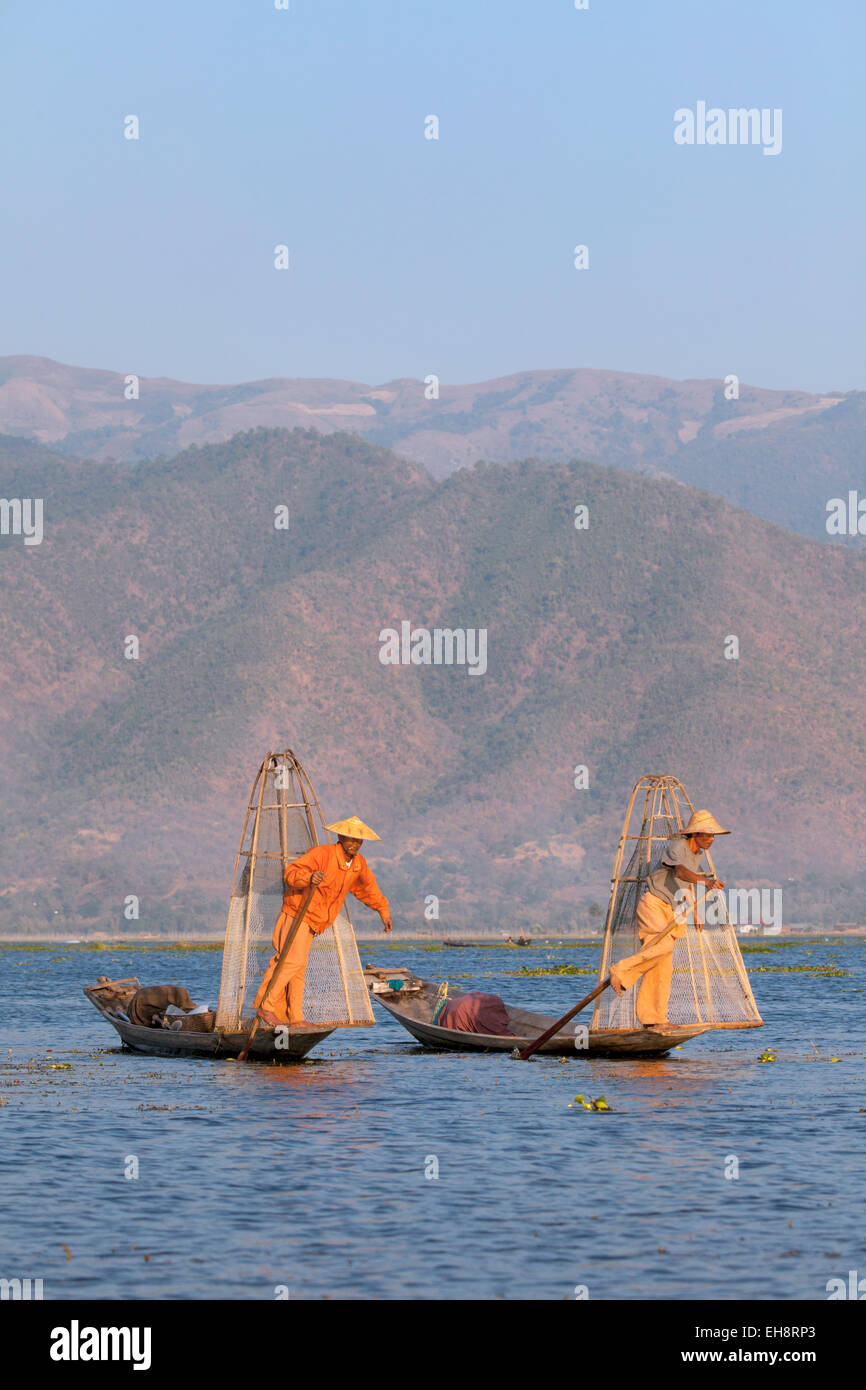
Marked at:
<point>661,919</point>
<point>683,854</point>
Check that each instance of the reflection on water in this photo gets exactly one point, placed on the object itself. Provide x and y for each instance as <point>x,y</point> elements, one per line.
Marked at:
<point>314,1176</point>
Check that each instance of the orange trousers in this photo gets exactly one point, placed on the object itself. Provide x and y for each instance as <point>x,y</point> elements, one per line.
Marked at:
<point>653,965</point>
<point>281,991</point>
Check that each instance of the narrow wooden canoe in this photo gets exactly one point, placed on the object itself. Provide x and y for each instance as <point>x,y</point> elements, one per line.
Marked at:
<point>294,1044</point>
<point>412,1005</point>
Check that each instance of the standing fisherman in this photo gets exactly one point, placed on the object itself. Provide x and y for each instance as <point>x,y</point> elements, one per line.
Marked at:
<point>335,870</point>
<point>658,907</point>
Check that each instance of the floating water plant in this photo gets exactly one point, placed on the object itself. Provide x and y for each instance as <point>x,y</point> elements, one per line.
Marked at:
<point>598,1104</point>
<point>827,972</point>
<point>768,1055</point>
<point>553,970</point>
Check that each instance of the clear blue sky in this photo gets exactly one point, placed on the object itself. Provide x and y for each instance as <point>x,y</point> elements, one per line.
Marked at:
<point>411,256</point>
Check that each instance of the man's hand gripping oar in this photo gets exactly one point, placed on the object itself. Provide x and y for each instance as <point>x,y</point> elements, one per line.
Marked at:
<point>526,1052</point>
<point>290,936</point>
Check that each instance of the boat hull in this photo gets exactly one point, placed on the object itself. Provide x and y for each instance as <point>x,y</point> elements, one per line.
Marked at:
<point>414,1011</point>
<point>289,1045</point>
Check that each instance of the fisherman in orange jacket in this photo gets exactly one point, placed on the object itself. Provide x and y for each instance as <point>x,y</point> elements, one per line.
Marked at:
<point>335,870</point>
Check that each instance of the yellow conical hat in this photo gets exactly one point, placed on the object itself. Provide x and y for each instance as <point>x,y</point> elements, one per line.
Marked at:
<point>702,823</point>
<point>355,829</point>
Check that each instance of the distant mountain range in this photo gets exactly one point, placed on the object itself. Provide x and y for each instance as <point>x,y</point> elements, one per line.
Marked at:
<point>605,648</point>
<point>779,454</point>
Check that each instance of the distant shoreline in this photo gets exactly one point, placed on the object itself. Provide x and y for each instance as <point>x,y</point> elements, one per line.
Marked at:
<point>216,942</point>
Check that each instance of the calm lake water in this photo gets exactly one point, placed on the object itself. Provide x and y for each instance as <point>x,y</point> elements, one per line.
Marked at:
<point>313,1176</point>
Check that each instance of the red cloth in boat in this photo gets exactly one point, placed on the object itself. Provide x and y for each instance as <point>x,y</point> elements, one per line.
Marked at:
<point>476,1013</point>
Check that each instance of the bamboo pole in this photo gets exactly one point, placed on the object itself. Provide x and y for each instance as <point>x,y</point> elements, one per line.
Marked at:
<point>281,810</point>
<point>238,857</point>
<point>251,862</point>
<point>615,880</point>
<point>305,788</point>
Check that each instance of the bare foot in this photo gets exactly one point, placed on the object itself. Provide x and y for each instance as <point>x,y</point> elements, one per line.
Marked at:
<point>267,1017</point>
<point>302,1023</point>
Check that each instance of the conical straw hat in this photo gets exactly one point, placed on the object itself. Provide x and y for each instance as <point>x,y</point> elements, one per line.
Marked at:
<point>355,829</point>
<point>702,823</point>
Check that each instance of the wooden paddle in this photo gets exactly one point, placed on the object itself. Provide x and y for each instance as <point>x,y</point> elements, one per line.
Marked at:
<point>525,1054</point>
<point>292,933</point>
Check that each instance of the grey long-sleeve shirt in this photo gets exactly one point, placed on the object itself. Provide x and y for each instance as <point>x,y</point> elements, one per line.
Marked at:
<point>663,883</point>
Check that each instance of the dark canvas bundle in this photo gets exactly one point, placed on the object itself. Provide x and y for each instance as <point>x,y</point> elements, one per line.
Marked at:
<point>155,999</point>
<point>190,1023</point>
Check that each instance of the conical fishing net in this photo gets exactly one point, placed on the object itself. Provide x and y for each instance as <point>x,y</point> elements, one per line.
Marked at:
<point>282,822</point>
<point>709,982</point>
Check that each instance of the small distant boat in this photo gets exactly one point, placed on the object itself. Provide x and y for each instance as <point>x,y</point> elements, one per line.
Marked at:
<point>105,997</point>
<point>521,941</point>
<point>412,1005</point>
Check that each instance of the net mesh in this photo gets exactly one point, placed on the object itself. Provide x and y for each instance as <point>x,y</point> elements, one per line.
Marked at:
<point>282,822</point>
<point>709,982</point>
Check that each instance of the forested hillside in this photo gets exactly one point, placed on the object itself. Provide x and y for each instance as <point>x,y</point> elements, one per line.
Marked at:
<point>605,648</point>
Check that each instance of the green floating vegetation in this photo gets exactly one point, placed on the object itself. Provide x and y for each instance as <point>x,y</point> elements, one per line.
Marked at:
<point>553,970</point>
<point>776,944</point>
<point>184,946</point>
<point>768,1055</point>
<point>598,1104</point>
<point>826,972</point>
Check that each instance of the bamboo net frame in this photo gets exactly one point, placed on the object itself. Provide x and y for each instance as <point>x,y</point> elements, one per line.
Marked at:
<point>283,820</point>
<point>710,983</point>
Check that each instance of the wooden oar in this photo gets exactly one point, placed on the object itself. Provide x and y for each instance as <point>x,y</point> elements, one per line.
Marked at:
<point>527,1052</point>
<point>292,933</point>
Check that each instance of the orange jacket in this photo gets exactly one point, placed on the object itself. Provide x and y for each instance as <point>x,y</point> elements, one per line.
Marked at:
<point>340,879</point>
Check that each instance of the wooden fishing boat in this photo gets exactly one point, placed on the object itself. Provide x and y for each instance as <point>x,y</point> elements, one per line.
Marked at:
<point>107,998</point>
<point>412,1005</point>
<point>283,821</point>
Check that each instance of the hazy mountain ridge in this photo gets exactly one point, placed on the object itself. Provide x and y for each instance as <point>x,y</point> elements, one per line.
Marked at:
<point>605,648</point>
<point>781,454</point>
